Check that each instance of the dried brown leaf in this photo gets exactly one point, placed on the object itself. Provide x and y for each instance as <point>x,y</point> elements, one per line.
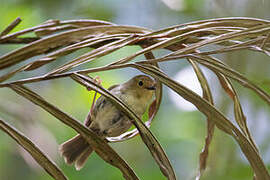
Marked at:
<point>219,119</point>
<point>62,39</point>
<point>101,51</point>
<point>230,33</point>
<point>10,27</point>
<point>40,157</point>
<point>146,135</point>
<point>210,123</point>
<point>244,22</point>
<point>99,145</point>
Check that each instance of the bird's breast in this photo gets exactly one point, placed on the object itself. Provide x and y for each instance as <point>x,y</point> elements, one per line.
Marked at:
<point>109,120</point>
<point>134,103</point>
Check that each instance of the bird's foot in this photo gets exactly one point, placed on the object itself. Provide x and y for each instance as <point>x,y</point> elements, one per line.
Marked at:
<point>96,80</point>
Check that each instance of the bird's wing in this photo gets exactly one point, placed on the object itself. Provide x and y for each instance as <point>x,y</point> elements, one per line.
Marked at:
<point>101,101</point>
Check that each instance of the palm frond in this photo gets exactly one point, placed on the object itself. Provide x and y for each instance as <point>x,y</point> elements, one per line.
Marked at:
<point>54,39</point>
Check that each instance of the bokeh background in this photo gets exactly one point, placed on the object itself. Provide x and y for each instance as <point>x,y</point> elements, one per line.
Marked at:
<point>178,126</point>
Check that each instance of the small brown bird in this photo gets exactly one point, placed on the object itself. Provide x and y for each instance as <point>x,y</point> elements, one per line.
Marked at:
<point>108,120</point>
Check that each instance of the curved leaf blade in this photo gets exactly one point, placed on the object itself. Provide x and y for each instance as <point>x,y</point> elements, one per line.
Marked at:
<point>220,120</point>
<point>41,158</point>
<point>99,145</point>
<point>146,135</point>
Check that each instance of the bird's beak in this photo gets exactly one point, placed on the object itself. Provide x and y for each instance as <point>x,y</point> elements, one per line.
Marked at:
<point>151,87</point>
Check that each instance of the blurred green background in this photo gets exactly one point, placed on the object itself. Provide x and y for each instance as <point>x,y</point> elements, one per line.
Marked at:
<point>180,130</point>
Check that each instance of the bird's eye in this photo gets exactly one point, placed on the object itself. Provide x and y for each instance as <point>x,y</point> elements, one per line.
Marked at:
<point>140,83</point>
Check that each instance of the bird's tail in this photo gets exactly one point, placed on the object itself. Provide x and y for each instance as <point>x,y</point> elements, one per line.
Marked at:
<point>76,150</point>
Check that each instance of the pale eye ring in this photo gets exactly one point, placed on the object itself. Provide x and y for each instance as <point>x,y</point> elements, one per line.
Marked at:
<point>140,83</point>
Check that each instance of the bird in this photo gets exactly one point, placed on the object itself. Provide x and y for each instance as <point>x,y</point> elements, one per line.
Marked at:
<point>107,120</point>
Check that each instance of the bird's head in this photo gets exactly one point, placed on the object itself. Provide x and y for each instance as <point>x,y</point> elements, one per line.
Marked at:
<point>141,85</point>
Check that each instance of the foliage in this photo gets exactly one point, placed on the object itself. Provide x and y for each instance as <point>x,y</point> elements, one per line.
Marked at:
<point>54,39</point>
